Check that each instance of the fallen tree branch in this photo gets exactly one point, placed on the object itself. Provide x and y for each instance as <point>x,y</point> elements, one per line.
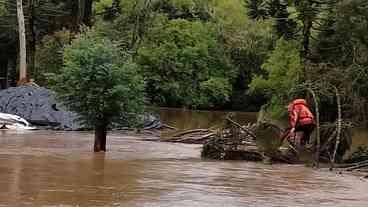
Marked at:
<point>169,127</point>
<point>207,135</point>
<point>180,134</point>
<point>351,164</point>
<point>192,140</point>
<point>339,120</point>
<point>241,127</point>
<point>357,167</point>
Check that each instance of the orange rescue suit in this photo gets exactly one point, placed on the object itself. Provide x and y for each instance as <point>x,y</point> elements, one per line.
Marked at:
<point>299,113</point>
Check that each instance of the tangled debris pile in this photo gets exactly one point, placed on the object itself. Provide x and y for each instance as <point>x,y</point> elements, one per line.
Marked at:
<point>263,141</point>
<point>237,142</point>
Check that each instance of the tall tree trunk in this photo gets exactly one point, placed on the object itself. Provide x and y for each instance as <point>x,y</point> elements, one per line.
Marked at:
<point>305,50</point>
<point>3,73</point>
<point>87,12</point>
<point>100,137</point>
<point>75,14</point>
<point>306,38</point>
<point>22,44</point>
<point>12,71</point>
<point>82,13</point>
<point>81,5</point>
<point>32,73</point>
<point>7,75</point>
<point>32,42</point>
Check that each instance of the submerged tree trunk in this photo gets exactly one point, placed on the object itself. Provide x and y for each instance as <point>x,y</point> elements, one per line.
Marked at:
<point>100,137</point>
<point>22,43</point>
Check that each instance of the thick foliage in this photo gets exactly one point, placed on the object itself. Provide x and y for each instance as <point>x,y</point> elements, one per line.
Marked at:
<point>248,43</point>
<point>283,68</point>
<point>225,39</point>
<point>51,45</point>
<point>98,82</point>
<point>181,61</point>
<point>205,53</point>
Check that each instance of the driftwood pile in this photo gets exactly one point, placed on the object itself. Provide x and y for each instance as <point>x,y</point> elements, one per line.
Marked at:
<point>235,142</point>
<point>238,142</point>
<point>244,142</point>
<point>264,141</point>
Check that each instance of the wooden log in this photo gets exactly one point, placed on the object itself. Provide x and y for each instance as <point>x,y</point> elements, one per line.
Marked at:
<point>180,134</point>
<point>168,127</point>
<point>357,167</point>
<point>351,164</point>
<point>193,138</point>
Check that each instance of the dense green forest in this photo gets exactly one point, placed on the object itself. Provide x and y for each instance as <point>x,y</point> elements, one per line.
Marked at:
<point>209,54</point>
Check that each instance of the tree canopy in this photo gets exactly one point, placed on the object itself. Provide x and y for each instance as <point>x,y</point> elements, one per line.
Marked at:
<point>100,84</point>
<point>212,54</point>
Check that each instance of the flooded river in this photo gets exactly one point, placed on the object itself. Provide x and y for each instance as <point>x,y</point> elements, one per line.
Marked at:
<point>48,168</point>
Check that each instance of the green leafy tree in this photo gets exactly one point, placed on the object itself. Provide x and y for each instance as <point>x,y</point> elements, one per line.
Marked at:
<point>284,24</point>
<point>42,17</point>
<point>245,44</point>
<point>283,69</point>
<point>215,92</point>
<point>248,43</point>
<point>50,46</point>
<point>100,84</point>
<point>341,51</point>
<point>180,58</point>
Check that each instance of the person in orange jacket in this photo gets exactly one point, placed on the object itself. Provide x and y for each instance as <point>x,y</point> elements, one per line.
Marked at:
<point>301,119</point>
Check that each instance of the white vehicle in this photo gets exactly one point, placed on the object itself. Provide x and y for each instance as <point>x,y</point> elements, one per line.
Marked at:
<point>10,121</point>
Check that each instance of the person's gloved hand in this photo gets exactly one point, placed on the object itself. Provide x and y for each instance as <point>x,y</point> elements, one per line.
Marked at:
<point>292,130</point>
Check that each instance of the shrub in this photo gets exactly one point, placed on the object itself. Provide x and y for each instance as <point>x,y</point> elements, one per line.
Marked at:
<point>101,84</point>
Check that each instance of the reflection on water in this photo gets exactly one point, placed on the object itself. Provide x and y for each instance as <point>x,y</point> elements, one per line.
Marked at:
<point>46,168</point>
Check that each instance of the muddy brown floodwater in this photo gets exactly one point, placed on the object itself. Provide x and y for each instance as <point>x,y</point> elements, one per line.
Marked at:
<point>48,168</point>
